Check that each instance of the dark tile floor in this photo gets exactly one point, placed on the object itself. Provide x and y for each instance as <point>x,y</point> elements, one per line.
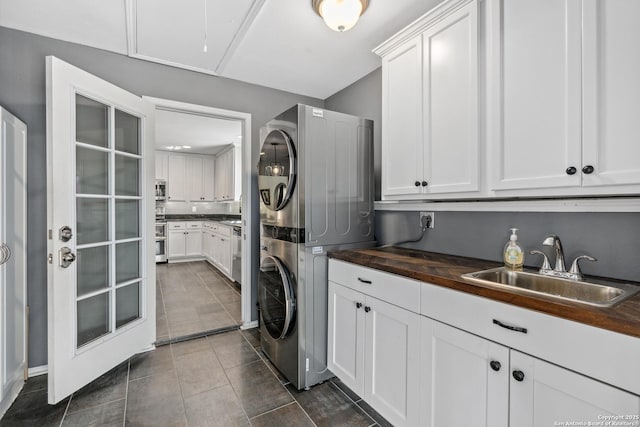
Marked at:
<point>193,297</point>
<point>219,380</point>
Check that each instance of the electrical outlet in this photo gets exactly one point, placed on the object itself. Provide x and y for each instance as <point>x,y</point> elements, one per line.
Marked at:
<point>427,219</point>
<point>193,209</point>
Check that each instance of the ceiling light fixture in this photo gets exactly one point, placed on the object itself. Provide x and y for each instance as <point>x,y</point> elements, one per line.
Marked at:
<point>340,15</point>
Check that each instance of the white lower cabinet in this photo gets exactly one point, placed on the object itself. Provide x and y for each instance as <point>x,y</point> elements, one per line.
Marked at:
<point>416,370</point>
<point>185,240</point>
<point>374,349</point>
<point>217,246</point>
<point>193,243</point>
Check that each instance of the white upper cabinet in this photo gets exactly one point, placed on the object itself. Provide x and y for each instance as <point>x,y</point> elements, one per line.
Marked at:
<point>534,93</point>
<point>208,176</point>
<point>177,184</point>
<point>195,170</point>
<point>563,102</point>
<point>611,98</point>
<point>228,175</point>
<point>430,138</point>
<point>162,159</point>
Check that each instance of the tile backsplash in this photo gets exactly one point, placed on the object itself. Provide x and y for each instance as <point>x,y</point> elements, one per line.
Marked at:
<point>202,208</point>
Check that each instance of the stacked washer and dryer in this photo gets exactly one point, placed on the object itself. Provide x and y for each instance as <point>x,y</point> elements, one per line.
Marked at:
<point>315,179</point>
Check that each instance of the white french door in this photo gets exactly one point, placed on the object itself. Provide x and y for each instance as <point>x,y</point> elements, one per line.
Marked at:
<point>100,177</point>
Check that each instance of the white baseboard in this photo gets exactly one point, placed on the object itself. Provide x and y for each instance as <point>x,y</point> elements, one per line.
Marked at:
<point>37,370</point>
<point>249,325</point>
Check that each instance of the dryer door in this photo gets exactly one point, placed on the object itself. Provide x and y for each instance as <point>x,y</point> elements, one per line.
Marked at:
<point>276,296</point>
<point>276,170</point>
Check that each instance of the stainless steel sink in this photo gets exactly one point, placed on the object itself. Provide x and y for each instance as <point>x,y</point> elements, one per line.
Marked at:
<point>594,292</point>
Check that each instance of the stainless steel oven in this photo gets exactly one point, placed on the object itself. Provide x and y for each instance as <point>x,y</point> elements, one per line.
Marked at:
<point>161,242</point>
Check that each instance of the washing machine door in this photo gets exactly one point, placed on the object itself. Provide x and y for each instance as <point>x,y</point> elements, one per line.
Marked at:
<point>276,297</point>
<point>276,170</point>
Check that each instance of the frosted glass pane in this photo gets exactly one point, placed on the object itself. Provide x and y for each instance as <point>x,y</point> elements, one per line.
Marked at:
<point>127,304</point>
<point>92,216</point>
<point>127,176</point>
<point>127,219</point>
<point>92,122</point>
<point>92,171</point>
<point>127,261</point>
<point>93,318</point>
<point>93,269</point>
<point>127,132</point>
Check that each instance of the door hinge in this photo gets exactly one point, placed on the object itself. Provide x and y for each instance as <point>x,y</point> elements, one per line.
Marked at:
<point>50,258</point>
<point>50,234</point>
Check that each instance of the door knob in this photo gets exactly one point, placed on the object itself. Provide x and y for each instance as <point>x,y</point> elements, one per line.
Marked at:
<point>66,257</point>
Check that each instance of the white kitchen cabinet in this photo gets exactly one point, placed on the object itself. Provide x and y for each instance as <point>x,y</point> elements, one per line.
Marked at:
<point>193,243</point>
<point>228,175</point>
<point>162,166</point>
<point>498,386</point>
<point>207,244</point>
<point>374,349</point>
<point>177,183</point>
<point>185,239</point>
<point>430,133</point>
<point>611,98</point>
<point>217,246</point>
<point>177,244</point>
<point>462,371</point>
<point>544,394</point>
<point>200,175</point>
<point>561,115</point>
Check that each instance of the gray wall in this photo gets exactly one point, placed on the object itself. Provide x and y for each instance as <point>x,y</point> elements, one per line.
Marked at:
<point>613,238</point>
<point>22,91</point>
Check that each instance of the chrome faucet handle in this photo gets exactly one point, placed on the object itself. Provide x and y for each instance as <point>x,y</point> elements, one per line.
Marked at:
<point>575,266</point>
<point>546,265</point>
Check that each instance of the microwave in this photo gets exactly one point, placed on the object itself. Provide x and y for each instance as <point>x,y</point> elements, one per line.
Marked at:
<point>161,190</point>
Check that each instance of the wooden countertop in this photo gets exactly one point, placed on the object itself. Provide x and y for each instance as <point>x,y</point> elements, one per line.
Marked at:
<point>445,270</point>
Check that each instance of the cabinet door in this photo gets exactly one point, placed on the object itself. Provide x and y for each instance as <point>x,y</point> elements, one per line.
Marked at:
<point>194,173</point>
<point>162,159</point>
<point>177,247</point>
<point>226,254</point>
<point>611,99</point>
<point>534,89</point>
<point>402,117</point>
<point>176,179</point>
<point>461,370</point>
<point>451,138</point>
<point>392,361</point>
<point>549,394</point>
<point>345,346</point>
<point>193,244</point>
<point>208,179</point>
<point>218,183</point>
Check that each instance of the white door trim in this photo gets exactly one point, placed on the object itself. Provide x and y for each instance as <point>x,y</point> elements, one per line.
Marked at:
<point>248,173</point>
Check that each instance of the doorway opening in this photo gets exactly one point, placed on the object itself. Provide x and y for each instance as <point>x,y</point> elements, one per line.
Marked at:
<point>203,164</point>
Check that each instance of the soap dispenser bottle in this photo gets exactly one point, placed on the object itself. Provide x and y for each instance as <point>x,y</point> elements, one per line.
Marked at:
<point>513,253</point>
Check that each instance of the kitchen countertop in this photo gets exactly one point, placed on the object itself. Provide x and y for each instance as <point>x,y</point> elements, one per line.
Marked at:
<point>202,217</point>
<point>445,270</point>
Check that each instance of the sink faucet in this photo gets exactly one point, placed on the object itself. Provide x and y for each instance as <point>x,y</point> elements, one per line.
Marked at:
<point>560,270</point>
<point>554,241</point>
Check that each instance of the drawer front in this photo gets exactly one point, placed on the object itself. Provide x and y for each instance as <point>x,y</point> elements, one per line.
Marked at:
<point>388,287</point>
<point>177,225</point>
<point>223,230</point>
<point>193,225</point>
<point>582,348</point>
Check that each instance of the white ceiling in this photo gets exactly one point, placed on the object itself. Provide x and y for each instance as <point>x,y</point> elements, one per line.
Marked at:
<point>282,44</point>
<point>204,134</point>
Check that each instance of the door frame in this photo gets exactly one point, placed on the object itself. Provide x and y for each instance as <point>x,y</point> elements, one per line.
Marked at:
<point>248,222</point>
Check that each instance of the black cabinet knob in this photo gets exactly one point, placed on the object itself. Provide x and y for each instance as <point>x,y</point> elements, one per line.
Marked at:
<point>495,365</point>
<point>518,375</point>
<point>588,169</point>
<point>367,309</point>
<point>571,170</point>
<point>417,183</point>
<point>358,305</point>
<point>425,183</point>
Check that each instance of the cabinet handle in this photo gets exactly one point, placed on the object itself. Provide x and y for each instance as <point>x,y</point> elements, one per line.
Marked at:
<point>571,170</point>
<point>417,183</point>
<point>358,304</point>
<point>588,169</point>
<point>495,365</point>
<point>425,183</point>
<point>518,375</point>
<point>360,279</point>
<point>367,309</point>
<point>511,328</point>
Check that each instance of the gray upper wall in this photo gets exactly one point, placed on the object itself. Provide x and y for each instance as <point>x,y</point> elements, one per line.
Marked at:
<point>22,92</point>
